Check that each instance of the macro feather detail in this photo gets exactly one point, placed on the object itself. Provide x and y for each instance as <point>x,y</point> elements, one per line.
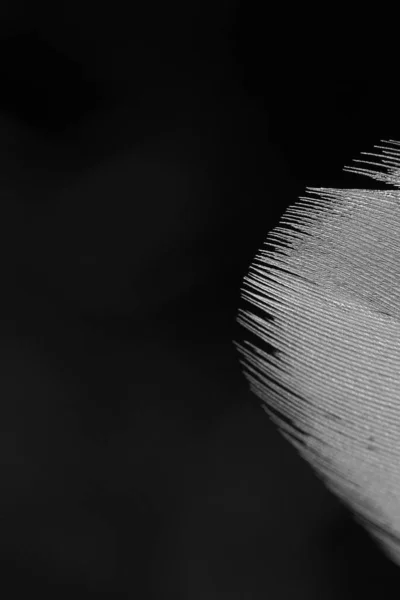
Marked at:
<point>324,297</point>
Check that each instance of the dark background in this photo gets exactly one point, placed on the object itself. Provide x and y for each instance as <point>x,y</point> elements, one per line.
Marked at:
<point>145,154</point>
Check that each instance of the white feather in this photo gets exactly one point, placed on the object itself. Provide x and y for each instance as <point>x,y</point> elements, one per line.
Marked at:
<point>324,292</point>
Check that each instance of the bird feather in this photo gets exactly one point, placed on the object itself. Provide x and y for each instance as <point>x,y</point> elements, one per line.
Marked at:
<point>321,347</point>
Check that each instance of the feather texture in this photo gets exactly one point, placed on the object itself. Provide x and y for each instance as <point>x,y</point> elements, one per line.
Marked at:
<point>324,311</point>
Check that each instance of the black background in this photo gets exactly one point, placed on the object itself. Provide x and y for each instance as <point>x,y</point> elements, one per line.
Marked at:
<point>136,464</point>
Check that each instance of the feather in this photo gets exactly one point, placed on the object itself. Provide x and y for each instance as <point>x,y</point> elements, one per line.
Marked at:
<point>322,339</point>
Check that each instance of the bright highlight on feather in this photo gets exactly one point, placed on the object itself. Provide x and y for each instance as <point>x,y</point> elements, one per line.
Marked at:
<point>324,293</point>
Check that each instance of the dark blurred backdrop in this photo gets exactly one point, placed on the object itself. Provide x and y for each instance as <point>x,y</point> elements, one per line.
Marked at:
<point>146,151</point>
